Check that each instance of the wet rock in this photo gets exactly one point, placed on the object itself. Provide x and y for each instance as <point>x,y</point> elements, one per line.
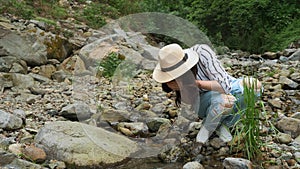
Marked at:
<point>194,128</point>
<point>290,126</point>
<point>155,123</point>
<point>237,163</point>
<point>9,121</point>
<point>76,111</point>
<point>81,145</point>
<point>193,165</point>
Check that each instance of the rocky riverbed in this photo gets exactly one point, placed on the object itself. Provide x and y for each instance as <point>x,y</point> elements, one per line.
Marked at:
<point>57,110</point>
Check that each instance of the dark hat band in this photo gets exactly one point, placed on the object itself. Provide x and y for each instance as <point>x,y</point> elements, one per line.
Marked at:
<point>167,69</point>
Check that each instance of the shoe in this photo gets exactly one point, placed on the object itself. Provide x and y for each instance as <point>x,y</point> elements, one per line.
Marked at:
<point>203,135</point>
<point>224,133</point>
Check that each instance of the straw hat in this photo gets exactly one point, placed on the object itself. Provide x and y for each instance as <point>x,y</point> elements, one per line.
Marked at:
<point>173,62</point>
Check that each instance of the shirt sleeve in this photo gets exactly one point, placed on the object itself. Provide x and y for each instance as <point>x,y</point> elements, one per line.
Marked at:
<point>213,67</point>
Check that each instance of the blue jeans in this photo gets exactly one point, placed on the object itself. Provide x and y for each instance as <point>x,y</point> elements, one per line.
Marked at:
<point>211,111</point>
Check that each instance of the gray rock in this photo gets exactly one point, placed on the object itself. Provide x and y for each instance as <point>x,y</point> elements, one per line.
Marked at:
<point>9,121</point>
<point>94,52</point>
<point>295,56</point>
<point>18,68</point>
<point>81,145</point>
<point>39,78</point>
<point>296,115</point>
<point>6,63</point>
<point>297,156</point>
<point>6,158</point>
<point>22,164</point>
<point>193,165</point>
<point>22,81</point>
<point>284,138</point>
<point>295,76</point>
<point>237,163</point>
<point>149,52</point>
<point>275,102</point>
<point>290,126</point>
<point>60,75</point>
<point>155,123</point>
<point>76,111</point>
<point>34,53</point>
<point>286,81</point>
<point>289,52</point>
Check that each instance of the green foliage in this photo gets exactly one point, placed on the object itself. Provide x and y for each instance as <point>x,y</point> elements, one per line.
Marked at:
<point>282,39</point>
<point>244,24</point>
<point>109,64</point>
<point>92,16</point>
<point>19,8</point>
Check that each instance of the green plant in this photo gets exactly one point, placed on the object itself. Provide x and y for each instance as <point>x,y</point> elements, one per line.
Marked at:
<point>109,64</point>
<point>247,129</point>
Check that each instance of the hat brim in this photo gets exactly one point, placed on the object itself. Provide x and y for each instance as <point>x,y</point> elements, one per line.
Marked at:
<point>163,77</point>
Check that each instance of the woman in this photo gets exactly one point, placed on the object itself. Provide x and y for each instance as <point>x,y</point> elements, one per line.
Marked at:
<point>197,72</point>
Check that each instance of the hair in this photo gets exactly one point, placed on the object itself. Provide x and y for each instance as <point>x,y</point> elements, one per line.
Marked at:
<point>185,79</point>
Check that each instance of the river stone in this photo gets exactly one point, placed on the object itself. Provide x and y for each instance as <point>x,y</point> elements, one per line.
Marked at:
<point>76,111</point>
<point>193,165</point>
<point>9,121</point>
<point>82,145</point>
<point>22,81</point>
<point>284,138</point>
<point>286,81</point>
<point>289,125</point>
<point>237,163</point>
<point>295,56</point>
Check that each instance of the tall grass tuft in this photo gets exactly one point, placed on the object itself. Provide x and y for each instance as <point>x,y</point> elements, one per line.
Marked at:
<point>247,129</point>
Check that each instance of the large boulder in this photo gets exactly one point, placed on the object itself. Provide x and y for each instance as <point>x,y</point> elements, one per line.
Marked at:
<point>84,146</point>
<point>34,53</point>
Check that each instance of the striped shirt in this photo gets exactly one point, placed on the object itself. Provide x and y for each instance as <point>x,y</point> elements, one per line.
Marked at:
<point>210,69</point>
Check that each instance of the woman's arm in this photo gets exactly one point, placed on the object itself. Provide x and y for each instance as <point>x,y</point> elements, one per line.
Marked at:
<point>210,85</point>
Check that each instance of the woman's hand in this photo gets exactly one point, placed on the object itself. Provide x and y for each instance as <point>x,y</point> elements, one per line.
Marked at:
<point>228,100</point>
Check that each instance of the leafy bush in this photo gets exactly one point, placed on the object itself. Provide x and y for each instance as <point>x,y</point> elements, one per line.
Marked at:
<point>281,40</point>
<point>244,24</point>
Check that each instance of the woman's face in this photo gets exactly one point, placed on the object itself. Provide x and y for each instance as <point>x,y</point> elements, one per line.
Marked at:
<point>173,85</point>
